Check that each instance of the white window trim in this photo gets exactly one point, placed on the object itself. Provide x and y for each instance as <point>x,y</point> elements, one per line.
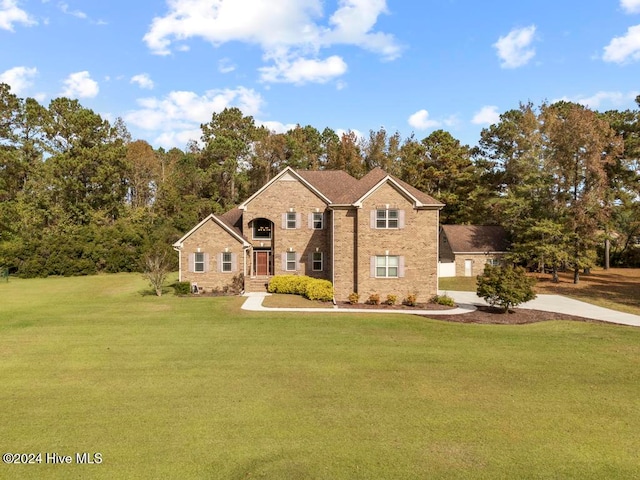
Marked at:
<point>294,261</point>
<point>288,220</point>
<point>313,262</point>
<point>313,220</point>
<point>196,262</point>
<point>225,262</point>
<point>386,218</point>
<point>386,266</point>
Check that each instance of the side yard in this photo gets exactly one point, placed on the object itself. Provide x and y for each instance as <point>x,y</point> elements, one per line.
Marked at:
<point>616,288</point>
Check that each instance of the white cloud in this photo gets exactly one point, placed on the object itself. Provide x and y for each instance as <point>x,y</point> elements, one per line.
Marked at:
<point>421,121</point>
<point>19,78</point>
<point>226,66</point>
<point>10,13</point>
<point>179,114</point>
<point>143,80</point>
<point>289,32</point>
<point>300,70</point>
<point>80,85</point>
<point>597,100</point>
<point>624,49</point>
<point>75,13</point>
<point>277,127</point>
<point>630,6</point>
<point>487,115</point>
<point>515,48</point>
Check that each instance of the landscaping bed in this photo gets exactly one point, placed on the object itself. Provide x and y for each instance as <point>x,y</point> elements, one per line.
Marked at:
<point>516,316</point>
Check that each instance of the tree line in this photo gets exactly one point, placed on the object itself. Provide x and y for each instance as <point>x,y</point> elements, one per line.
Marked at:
<point>79,196</point>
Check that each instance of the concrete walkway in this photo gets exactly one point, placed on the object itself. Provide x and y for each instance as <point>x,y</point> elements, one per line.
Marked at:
<point>254,303</point>
<point>558,304</point>
<point>466,303</point>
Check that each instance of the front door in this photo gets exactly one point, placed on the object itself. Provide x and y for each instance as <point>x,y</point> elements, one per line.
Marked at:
<point>262,263</point>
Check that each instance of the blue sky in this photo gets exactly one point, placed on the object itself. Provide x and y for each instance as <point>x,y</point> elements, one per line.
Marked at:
<point>412,67</point>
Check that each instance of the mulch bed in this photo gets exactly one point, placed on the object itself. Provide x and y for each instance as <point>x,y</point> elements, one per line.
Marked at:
<point>418,306</point>
<point>516,316</point>
<point>483,314</point>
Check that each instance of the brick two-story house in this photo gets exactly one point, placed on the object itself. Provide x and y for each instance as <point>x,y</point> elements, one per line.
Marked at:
<point>373,235</point>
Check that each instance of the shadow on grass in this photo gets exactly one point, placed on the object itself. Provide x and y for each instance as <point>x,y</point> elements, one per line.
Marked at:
<point>150,292</point>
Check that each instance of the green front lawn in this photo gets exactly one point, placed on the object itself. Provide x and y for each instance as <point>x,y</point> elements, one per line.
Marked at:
<point>196,388</point>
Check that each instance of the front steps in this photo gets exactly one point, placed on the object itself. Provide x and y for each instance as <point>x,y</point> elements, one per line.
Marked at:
<point>256,284</point>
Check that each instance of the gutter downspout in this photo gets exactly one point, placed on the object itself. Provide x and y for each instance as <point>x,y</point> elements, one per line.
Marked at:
<point>179,250</point>
<point>333,254</point>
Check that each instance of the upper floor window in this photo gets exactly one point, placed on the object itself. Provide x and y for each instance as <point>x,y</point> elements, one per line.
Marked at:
<point>318,220</point>
<point>261,229</point>
<point>387,218</point>
<point>291,220</point>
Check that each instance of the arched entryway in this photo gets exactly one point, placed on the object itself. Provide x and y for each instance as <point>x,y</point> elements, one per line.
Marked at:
<point>262,239</point>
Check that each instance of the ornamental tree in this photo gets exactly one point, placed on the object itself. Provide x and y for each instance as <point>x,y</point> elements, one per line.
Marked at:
<point>505,286</point>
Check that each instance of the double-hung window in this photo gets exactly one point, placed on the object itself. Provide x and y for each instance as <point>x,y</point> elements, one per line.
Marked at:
<point>316,261</point>
<point>291,261</point>
<point>226,262</point>
<point>387,266</point>
<point>291,220</point>
<point>318,220</point>
<point>198,262</point>
<point>387,218</point>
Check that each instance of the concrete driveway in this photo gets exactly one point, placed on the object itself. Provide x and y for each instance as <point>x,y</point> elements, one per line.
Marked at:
<point>466,303</point>
<point>558,304</point>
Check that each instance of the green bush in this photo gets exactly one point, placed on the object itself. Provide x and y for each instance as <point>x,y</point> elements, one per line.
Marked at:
<point>289,284</point>
<point>505,286</point>
<point>443,300</point>
<point>308,287</point>
<point>182,288</point>
<point>319,290</point>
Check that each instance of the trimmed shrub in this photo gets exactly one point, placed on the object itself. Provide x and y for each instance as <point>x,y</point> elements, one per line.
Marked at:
<point>289,284</point>
<point>411,300</point>
<point>374,299</point>
<point>391,299</point>
<point>182,288</point>
<point>443,300</point>
<point>319,290</point>
<point>353,298</point>
<point>308,287</point>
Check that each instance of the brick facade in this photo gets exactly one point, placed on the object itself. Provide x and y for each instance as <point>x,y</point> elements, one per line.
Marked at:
<point>211,240</point>
<point>288,195</point>
<point>348,243</point>
<point>416,242</point>
<point>478,261</point>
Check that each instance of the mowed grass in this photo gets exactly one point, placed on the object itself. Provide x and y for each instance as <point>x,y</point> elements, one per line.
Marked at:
<point>616,288</point>
<point>196,388</point>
